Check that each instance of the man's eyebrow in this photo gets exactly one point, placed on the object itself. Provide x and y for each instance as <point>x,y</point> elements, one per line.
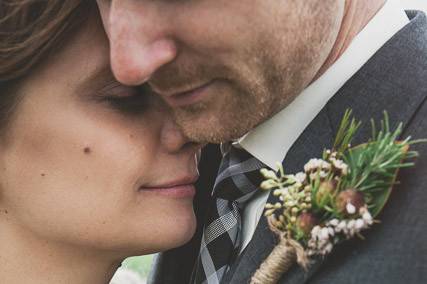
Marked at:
<point>96,80</point>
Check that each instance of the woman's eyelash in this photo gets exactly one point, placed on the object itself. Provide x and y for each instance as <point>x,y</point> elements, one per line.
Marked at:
<point>132,100</point>
<point>133,104</point>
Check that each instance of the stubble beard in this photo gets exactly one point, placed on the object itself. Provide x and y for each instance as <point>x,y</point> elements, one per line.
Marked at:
<point>256,91</point>
<point>228,118</point>
<point>246,105</point>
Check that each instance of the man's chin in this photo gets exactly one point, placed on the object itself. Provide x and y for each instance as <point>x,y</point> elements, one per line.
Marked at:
<point>206,134</point>
<point>212,132</point>
<point>217,123</point>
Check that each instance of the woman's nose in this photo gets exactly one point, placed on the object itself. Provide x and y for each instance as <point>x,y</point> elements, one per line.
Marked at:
<point>139,42</point>
<point>172,138</point>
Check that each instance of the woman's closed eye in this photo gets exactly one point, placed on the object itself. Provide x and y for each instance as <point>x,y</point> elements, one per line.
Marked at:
<point>129,100</point>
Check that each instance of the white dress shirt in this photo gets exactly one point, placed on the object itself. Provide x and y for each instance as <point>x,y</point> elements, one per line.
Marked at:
<point>270,141</point>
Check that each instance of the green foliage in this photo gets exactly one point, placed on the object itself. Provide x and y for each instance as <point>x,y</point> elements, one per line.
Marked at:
<point>368,172</point>
<point>374,165</point>
<point>346,132</point>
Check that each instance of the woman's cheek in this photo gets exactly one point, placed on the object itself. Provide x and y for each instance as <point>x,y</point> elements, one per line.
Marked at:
<point>74,187</point>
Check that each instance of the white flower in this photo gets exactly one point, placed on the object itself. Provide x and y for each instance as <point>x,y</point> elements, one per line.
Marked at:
<point>268,174</point>
<point>268,184</point>
<point>315,231</point>
<point>328,248</point>
<point>350,224</point>
<point>312,164</point>
<point>315,164</point>
<point>367,217</point>
<point>300,177</point>
<point>340,165</point>
<point>321,174</point>
<point>360,224</point>
<point>324,234</point>
<point>320,242</point>
<point>342,225</point>
<point>351,209</point>
<point>323,237</point>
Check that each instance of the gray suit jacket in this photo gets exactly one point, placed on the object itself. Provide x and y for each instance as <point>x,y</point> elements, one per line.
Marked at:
<point>395,251</point>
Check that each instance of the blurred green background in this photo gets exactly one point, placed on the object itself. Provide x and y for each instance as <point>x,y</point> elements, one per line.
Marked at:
<point>139,264</point>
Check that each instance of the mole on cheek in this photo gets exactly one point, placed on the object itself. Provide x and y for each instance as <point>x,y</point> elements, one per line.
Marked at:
<point>87,150</point>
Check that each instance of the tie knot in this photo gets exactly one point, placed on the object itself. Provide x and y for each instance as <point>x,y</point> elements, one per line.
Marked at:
<point>238,176</point>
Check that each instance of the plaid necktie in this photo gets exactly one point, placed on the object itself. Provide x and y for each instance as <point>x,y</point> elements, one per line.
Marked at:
<point>237,181</point>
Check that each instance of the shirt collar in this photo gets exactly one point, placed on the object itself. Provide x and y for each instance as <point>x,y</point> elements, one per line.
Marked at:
<point>270,141</point>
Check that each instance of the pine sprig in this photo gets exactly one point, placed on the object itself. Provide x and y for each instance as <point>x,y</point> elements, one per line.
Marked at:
<point>348,186</point>
<point>334,198</point>
<point>374,165</point>
<point>346,132</point>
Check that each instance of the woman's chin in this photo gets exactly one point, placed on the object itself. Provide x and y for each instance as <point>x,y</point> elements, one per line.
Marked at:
<point>173,232</point>
<point>179,233</point>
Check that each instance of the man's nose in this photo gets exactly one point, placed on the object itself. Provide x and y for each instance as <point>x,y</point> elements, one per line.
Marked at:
<point>139,41</point>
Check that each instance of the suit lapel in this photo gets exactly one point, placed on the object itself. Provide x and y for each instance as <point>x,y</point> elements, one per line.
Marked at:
<point>310,144</point>
<point>375,88</point>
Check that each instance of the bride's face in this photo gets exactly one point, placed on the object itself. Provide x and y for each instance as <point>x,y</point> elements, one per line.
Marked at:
<point>83,157</point>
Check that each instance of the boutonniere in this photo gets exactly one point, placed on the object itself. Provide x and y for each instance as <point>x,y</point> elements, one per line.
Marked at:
<point>334,198</point>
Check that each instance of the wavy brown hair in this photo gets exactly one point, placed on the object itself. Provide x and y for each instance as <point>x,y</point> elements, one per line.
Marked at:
<point>31,30</point>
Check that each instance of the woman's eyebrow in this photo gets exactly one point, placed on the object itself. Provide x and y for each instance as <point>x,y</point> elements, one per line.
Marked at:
<point>95,81</point>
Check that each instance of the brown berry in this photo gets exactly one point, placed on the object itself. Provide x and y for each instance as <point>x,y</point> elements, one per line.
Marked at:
<point>352,196</point>
<point>306,222</point>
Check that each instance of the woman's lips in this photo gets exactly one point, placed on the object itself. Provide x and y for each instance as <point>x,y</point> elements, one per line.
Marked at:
<point>182,188</point>
<point>179,191</point>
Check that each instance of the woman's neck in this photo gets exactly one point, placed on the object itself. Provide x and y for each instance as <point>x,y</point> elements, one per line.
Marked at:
<point>25,259</point>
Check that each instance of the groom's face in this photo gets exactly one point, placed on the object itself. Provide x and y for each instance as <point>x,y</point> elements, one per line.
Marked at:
<point>222,66</point>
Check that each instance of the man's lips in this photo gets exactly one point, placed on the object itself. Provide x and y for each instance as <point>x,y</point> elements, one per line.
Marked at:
<point>179,188</point>
<point>188,97</point>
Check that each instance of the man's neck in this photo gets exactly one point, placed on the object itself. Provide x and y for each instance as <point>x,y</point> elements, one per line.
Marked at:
<point>357,14</point>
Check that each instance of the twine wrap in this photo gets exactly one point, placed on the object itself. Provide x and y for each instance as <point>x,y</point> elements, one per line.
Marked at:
<point>281,259</point>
